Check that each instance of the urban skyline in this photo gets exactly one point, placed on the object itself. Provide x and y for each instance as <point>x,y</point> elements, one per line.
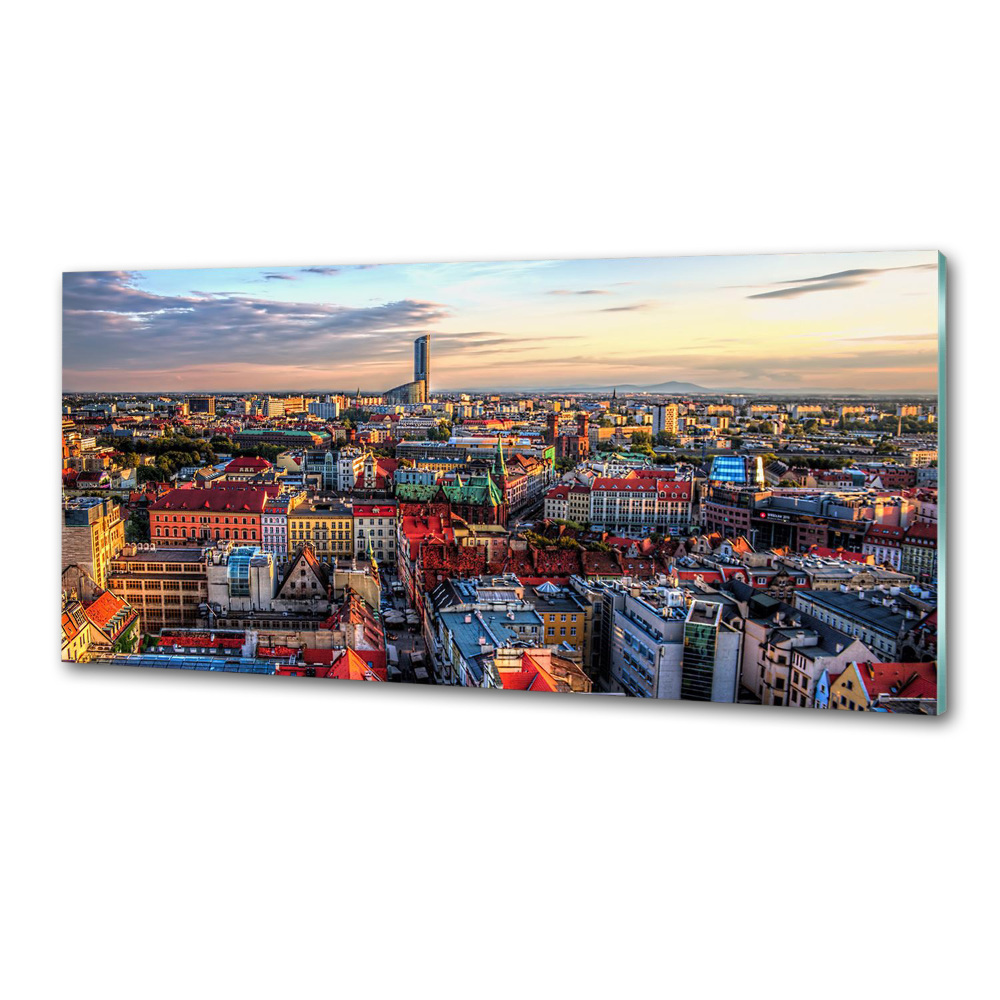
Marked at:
<point>714,479</point>
<point>809,323</point>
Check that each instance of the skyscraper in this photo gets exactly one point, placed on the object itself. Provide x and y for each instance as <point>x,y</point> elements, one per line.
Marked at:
<point>422,362</point>
<point>417,391</point>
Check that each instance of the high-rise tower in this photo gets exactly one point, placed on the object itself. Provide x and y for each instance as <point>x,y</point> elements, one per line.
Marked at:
<point>422,362</point>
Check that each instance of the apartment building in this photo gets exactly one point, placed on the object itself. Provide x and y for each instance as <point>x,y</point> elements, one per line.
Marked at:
<point>326,525</point>
<point>375,529</point>
<point>641,505</point>
<point>92,535</point>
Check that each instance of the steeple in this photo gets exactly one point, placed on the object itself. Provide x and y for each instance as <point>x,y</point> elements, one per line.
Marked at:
<point>499,466</point>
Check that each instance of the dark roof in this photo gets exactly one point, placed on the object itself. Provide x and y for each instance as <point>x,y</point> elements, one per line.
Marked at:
<point>862,609</point>
<point>307,556</point>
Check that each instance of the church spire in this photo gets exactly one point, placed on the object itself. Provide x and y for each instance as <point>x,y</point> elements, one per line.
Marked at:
<point>499,466</point>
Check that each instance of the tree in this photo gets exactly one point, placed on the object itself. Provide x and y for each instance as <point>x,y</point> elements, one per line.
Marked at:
<point>147,474</point>
<point>125,643</point>
<point>137,527</point>
<point>440,433</point>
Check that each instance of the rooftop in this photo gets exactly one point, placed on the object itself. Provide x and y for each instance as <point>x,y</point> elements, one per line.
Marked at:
<point>216,500</point>
<point>864,605</point>
<point>704,613</point>
<point>164,555</point>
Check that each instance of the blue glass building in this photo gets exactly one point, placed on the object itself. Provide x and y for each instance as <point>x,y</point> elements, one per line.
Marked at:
<point>745,470</point>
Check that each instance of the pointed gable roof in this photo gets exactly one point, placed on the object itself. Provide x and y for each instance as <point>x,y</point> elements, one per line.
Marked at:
<point>305,558</point>
<point>352,666</point>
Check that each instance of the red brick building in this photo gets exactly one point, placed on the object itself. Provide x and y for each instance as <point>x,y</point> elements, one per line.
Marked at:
<point>204,516</point>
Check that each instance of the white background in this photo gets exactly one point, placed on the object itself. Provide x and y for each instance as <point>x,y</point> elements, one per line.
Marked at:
<point>220,836</point>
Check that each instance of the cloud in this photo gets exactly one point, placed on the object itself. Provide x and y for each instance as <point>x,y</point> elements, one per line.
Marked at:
<point>797,290</point>
<point>830,282</point>
<point>111,323</point>
<point>888,339</point>
<point>321,270</point>
<point>278,276</point>
<point>619,309</point>
<point>582,291</point>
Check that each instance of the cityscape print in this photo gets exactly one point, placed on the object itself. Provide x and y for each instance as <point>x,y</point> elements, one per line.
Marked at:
<point>707,479</point>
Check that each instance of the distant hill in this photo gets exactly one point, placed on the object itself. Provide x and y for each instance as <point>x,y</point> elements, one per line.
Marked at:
<point>664,387</point>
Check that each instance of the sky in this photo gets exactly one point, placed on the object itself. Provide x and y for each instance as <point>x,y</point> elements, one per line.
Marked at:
<point>864,322</point>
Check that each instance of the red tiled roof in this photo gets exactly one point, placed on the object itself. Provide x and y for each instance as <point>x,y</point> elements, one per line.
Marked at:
<point>248,463</point>
<point>216,499</point>
<point>354,666</point>
<point>387,509</point>
<point>888,532</point>
<point>900,680</point>
<point>634,485</point>
<point>101,611</point>
<point>674,489</point>
<point>531,677</point>
<point>922,530</point>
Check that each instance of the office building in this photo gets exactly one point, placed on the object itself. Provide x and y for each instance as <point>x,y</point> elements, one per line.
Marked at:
<point>710,666</point>
<point>201,404</point>
<point>741,470</point>
<point>422,361</point>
